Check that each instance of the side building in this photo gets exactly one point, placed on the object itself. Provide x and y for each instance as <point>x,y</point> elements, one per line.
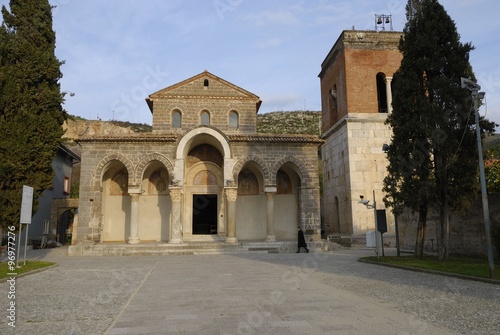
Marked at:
<point>356,96</point>
<point>54,216</point>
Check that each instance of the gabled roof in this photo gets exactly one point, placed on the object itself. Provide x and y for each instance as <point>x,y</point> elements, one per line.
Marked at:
<point>186,88</point>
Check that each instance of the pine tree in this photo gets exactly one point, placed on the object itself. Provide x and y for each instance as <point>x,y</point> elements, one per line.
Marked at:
<point>31,113</point>
<point>433,153</point>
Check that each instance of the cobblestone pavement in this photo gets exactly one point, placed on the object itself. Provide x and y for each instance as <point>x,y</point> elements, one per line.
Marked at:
<point>324,293</point>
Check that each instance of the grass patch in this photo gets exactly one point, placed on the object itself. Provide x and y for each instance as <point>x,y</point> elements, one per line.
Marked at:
<point>467,266</point>
<point>30,266</point>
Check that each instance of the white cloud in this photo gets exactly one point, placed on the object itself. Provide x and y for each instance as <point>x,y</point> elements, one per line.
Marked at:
<point>279,17</point>
<point>269,43</point>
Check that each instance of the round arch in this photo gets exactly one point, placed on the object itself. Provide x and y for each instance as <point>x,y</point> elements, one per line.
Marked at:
<point>146,160</point>
<point>297,165</point>
<point>202,135</point>
<point>258,161</point>
<point>101,167</point>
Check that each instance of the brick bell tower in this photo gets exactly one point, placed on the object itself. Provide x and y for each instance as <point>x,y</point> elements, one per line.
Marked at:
<point>356,96</point>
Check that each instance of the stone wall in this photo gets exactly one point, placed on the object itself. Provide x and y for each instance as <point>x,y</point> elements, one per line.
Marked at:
<point>466,230</point>
<point>353,165</point>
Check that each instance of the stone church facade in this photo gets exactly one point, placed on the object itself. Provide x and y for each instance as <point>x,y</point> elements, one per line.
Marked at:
<point>202,174</point>
<point>356,95</point>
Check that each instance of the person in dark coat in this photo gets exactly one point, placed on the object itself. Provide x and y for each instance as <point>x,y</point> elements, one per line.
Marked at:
<point>302,241</point>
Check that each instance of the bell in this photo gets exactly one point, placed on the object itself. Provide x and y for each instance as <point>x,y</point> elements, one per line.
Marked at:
<point>379,21</point>
<point>387,20</point>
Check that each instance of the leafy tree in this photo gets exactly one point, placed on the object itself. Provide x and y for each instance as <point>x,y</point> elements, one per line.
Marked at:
<point>31,113</point>
<point>433,151</point>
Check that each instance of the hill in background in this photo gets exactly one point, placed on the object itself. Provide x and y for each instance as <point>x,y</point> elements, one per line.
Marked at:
<point>294,122</point>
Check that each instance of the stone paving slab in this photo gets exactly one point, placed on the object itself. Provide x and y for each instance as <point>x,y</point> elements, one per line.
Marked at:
<point>324,293</point>
<point>272,301</point>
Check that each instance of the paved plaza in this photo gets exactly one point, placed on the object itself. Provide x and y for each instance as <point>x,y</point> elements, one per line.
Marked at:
<point>249,293</point>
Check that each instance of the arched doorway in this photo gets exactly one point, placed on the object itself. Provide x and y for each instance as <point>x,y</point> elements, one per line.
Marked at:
<point>286,203</point>
<point>203,186</point>
<point>115,203</point>
<point>251,203</point>
<point>154,204</point>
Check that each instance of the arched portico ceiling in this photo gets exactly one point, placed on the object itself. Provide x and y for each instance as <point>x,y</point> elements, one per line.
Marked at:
<point>195,137</point>
<point>203,135</point>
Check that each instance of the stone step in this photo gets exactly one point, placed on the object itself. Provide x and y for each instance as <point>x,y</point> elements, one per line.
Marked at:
<point>190,248</point>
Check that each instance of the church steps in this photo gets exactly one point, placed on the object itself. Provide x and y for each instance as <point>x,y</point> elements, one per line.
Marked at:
<point>190,248</point>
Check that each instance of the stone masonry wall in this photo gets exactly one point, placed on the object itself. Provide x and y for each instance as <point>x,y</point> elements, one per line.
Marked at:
<point>466,230</point>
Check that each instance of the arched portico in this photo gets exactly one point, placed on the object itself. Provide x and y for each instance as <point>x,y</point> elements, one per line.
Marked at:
<point>202,135</point>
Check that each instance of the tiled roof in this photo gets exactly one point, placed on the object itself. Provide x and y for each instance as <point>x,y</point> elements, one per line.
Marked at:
<point>275,138</point>
<point>140,137</point>
<point>150,137</point>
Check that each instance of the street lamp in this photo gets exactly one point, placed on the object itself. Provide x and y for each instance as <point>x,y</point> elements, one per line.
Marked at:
<point>365,202</point>
<point>476,95</point>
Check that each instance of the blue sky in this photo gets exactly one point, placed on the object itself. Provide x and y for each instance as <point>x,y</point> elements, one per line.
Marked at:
<point>117,52</point>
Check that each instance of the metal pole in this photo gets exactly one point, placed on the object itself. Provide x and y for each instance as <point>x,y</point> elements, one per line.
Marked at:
<point>19,243</point>
<point>376,224</point>
<point>398,252</point>
<point>486,211</point>
<point>26,243</point>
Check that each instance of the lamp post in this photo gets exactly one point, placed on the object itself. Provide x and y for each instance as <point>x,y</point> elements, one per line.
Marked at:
<point>374,206</point>
<point>476,95</point>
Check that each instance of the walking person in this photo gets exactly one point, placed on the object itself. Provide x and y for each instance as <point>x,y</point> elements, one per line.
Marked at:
<point>301,242</point>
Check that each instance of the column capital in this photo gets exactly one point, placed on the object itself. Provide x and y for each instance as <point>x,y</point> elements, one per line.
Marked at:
<point>134,196</point>
<point>176,193</point>
<point>231,194</point>
<point>388,79</point>
<point>270,189</point>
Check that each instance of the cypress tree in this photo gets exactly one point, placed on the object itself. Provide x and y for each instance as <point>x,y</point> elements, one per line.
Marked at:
<point>433,151</point>
<point>31,113</point>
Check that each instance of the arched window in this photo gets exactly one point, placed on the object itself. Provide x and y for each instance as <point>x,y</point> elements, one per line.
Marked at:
<point>176,119</point>
<point>205,84</point>
<point>381,93</point>
<point>333,103</point>
<point>205,118</point>
<point>233,119</point>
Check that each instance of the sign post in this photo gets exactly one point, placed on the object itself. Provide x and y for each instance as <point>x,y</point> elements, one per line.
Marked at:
<point>26,213</point>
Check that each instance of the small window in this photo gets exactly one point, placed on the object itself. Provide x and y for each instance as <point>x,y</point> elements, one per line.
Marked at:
<point>381,93</point>
<point>176,119</point>
<point>205,84</point>
<point>66,186</point>
<point>205,118</point>
<point>233,119</point>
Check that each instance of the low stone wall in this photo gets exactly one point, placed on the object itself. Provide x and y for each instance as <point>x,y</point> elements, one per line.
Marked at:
<point>467,235</point>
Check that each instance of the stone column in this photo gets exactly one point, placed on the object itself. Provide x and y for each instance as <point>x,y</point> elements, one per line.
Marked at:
<point>134,219</point>
<point>231,195</point>
<point>270,214</point>
<point>175,222</point>
<point>388,92</point>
